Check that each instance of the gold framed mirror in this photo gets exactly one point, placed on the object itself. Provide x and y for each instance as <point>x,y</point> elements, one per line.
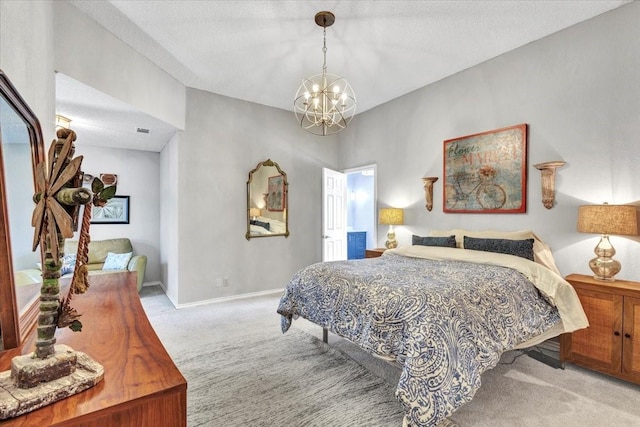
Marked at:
<point>21,148</point>
<point>267,201</point>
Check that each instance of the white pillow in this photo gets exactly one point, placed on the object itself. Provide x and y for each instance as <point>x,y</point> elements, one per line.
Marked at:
<point>117,261</point>
<point>541,251</point>
<point>68,264</point>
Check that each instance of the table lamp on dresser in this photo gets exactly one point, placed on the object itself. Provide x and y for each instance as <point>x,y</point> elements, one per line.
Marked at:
<point>607,220</point>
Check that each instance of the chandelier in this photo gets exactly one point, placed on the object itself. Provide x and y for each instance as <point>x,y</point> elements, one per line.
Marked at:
<point>324,103</point>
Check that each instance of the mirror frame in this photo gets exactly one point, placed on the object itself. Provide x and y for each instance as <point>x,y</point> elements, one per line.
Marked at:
<point>14,327</point>
<point>266,163</point>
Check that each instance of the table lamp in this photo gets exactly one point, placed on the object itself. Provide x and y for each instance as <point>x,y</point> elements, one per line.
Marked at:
<point>254,212</point>
<point>391,217</point>
<point>607,220</point>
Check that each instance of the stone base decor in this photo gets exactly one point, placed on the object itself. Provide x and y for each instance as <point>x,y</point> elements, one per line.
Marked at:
<point>33,383</point>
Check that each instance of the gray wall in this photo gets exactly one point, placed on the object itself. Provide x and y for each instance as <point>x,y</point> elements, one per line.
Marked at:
<point>169,253</point>
<point>138,176</point>
<point>87,52</point>
<point>27,55</point>
<point>579,91</point>
<point>224,139</point>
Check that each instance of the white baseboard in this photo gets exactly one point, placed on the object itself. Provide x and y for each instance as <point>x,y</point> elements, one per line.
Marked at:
<point>230,298</point>
<point>155,283</point>
<point>213,300</point>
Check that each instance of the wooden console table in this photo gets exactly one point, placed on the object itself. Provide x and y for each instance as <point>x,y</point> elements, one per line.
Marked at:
<point>141,385</point>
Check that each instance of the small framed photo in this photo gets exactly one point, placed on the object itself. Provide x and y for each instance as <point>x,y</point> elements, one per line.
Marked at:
<point>116,211</point>
<point>276,196</point>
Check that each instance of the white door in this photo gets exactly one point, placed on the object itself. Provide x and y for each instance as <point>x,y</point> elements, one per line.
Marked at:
<point>334,215</point>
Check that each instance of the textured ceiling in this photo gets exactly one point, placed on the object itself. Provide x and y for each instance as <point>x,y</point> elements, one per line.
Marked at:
<point>259,51</point>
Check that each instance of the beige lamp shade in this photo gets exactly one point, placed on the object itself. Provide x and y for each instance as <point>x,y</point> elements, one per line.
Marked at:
<point>608,219</point>
<point>391,216</point>
<point>255,212</point>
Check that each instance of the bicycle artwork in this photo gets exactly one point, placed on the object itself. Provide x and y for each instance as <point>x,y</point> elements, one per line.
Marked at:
<point>486,172</point>
<point>475,191</point>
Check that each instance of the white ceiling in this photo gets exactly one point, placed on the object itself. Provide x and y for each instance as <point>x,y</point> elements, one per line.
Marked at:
<point>259,51</point>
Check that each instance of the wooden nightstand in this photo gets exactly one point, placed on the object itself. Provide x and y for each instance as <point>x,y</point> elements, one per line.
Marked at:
<point>374,253</point>
<point>611,343</point>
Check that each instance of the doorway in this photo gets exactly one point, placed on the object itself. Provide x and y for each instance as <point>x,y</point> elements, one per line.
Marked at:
<point>361,203</point>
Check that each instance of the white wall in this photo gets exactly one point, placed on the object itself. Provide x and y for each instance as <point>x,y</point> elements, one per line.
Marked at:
<point>90,54</point>
<point>224,139</point>
<point>138,177</point>
<point>26,57</point>
<point>169,251</point>
<point>27,54</point>
<point>579,91</point>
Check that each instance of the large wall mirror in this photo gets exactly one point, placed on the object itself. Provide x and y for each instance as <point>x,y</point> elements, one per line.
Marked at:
<point>21,148</point>
<point>267,201</point>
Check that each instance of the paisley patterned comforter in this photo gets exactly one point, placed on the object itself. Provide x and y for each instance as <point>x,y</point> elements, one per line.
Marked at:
<point>446,321</point>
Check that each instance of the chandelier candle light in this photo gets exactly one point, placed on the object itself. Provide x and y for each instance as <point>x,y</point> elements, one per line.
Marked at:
<point>324,103</point>
<point>391,217</point>
<point>607,219</point>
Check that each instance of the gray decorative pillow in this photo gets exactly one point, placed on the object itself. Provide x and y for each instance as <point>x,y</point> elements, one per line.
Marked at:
<point>447,241</point>
<point>521,248</point>
<point>262,224</point>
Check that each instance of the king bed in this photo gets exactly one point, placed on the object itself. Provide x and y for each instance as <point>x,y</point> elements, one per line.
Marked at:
<point>442,311</point>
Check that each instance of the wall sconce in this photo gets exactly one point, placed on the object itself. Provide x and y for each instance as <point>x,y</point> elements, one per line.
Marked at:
<point>548,171</point>
<point>62,122</point>
<point>428,191</point>
<point>605,220</point>
<point>391,217</point>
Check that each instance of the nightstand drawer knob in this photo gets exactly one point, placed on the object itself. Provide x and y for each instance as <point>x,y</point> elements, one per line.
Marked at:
<point>616,333</point>
<point>627,335</point>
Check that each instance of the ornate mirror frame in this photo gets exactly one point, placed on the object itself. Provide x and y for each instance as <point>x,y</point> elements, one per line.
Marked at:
<point>267,201</point>
<point>15,326</point>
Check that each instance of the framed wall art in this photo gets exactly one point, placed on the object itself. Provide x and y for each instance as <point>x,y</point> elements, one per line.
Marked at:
<point>486,172</point>
<point>116,211</point>
<point>275,198</point>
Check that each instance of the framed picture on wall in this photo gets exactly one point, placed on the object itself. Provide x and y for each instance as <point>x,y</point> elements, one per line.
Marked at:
<point>116,211</point>
<point>486,172</point>
<point>275,197</point>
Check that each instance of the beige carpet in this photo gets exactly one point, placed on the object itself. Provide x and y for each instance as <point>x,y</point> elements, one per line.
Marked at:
<point>519,392</point>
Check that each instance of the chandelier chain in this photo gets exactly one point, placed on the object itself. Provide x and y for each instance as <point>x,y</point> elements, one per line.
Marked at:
<point>324,51</point>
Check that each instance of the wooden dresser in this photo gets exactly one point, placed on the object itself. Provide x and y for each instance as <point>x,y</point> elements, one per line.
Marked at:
<point>611,343</point>
<point>141,386</point>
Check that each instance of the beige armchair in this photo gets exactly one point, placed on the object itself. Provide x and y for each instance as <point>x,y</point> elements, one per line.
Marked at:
<point>98,250</point>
